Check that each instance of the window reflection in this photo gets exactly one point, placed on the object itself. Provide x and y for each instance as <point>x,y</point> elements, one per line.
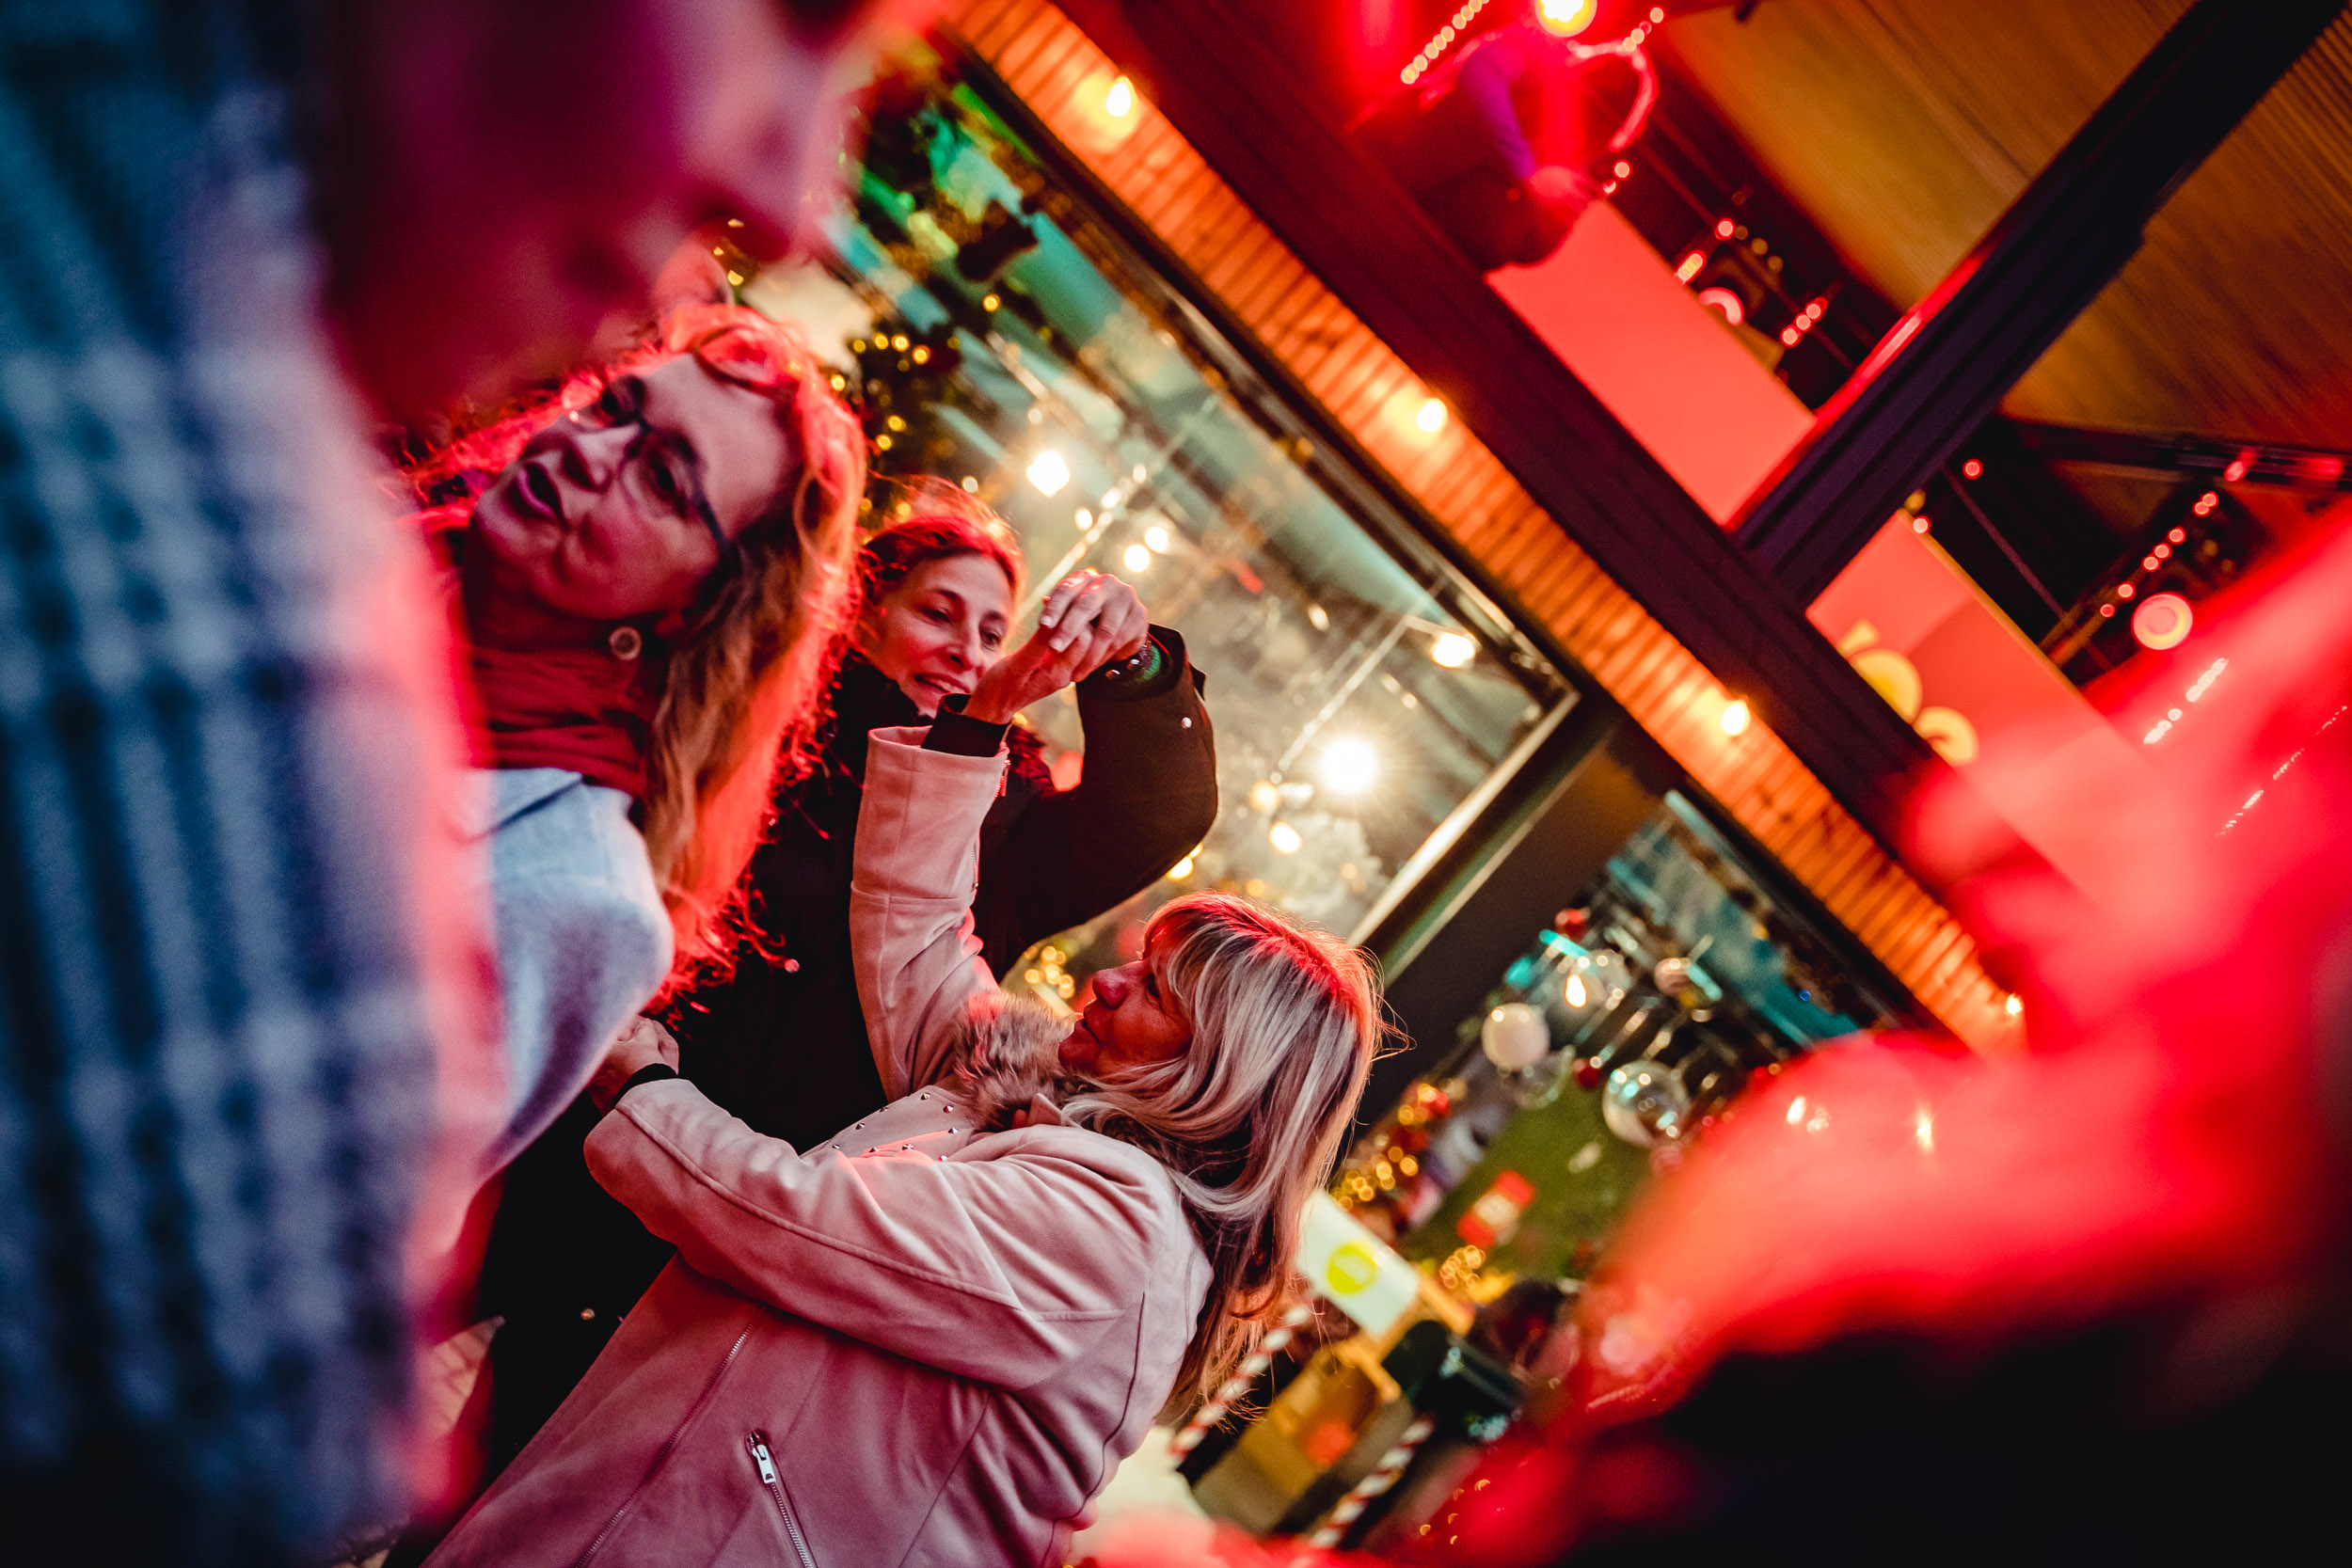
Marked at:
<point>1662,987</point>
<point>1000,336</point>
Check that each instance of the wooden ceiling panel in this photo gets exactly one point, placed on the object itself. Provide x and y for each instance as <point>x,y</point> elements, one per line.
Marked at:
<point>1905,127</point>
<point>2237,318</point>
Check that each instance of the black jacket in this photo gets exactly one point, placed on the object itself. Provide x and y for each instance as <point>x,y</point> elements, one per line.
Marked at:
<point>782,1043</point>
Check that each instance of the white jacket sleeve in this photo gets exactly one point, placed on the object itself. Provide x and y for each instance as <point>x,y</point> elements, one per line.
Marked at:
<point>912,940</point>
<point>1000,1264</point>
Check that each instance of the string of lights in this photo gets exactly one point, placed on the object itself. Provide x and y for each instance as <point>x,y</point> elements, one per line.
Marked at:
<point>1561,18</point>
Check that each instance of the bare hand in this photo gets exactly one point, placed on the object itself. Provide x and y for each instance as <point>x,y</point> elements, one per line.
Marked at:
<point>639,1045</point>
<point>1089,619</point>
<point>1098,606</point>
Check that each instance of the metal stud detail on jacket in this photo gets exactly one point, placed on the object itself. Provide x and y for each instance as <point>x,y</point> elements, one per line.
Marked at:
<point>627,642</point>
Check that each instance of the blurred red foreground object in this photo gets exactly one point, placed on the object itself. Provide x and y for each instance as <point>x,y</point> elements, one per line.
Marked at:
<point>2077,1298</point>
<point>2128,1227</point>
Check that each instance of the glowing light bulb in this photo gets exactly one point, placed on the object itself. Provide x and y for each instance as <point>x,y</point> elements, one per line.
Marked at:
<point>1284,838</point>
<point>1048,471</point>
<point>1137,559</point>
<point>1264,795</point>
<point>1430,418</point>
<point>1574,992</point>
<point>1725,304</point>
<point>1566,17</point>
<point>1451,650</point>
<point>1084,518</point>
<point>1349,766</point>
<point>1181,870</point>
<point>1156,538</point>
<point>1121,101</point>
<point>1736,717</point>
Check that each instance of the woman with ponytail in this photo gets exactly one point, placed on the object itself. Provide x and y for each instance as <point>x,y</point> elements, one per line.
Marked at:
<point>928,1339</point>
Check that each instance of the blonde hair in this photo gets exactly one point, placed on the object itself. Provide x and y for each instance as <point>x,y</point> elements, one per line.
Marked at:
<point>1285,1021</point>
<point>746,675</point>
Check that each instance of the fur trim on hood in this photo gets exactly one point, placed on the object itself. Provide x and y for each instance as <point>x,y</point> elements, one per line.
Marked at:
<point>1008,1059</point>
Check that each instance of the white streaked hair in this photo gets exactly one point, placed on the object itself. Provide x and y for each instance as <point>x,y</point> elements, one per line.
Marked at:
<point>1249,1118</point>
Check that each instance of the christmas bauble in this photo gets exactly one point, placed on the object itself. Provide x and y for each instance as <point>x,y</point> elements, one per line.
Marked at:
<point>1514,1036</point>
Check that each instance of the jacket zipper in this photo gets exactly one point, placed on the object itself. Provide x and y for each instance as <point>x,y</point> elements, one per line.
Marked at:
<point>662,1457</point>
<point>757,1442</point>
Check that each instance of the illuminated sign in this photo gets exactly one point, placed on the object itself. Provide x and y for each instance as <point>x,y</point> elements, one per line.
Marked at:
<point>1945,658</point>
<point>1353,1268</point>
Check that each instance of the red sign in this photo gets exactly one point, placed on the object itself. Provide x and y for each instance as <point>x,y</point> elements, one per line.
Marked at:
<point>2044,760</point>
<point>1496,1214</point>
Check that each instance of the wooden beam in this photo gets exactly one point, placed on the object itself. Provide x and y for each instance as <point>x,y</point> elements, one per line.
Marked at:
<point>1943,368</point>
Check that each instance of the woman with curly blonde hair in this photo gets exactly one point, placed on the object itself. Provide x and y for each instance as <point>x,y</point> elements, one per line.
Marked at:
<point>647,590</point>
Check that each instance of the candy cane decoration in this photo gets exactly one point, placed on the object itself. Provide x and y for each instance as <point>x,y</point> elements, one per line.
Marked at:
<point>1383,1476</point>
<point>1244,1378</point>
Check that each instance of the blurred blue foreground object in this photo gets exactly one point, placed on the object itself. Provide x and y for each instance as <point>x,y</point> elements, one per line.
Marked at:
<point>216,1075</point>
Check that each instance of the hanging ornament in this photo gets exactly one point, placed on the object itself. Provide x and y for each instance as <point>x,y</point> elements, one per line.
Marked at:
<point>1644,1103</point>
<point>1514,1036</point>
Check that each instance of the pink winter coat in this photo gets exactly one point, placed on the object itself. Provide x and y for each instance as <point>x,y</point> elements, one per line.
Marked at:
<point>908,1346</point>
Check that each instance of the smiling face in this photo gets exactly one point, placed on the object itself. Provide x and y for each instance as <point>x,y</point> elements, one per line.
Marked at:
<point>1132,1021</point>
<point>940,627</point>
<point>597,520</point>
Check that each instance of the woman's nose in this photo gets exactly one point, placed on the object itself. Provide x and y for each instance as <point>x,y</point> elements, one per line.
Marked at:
<point>1111,985</point>
<point>591,459</point>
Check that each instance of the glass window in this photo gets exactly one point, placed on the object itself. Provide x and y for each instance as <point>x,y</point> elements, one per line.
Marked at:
<point>1647,1006</point>
<point>1000,334</point>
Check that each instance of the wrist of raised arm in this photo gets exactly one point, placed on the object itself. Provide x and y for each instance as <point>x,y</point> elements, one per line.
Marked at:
<point>962,732</point>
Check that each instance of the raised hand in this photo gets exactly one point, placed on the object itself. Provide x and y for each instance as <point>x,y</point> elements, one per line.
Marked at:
<point>1089,619</point>
<point>1100,609</point>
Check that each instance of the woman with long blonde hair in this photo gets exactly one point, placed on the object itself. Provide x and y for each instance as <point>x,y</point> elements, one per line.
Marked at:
<point>928,1340</point>
<point>647,590</point>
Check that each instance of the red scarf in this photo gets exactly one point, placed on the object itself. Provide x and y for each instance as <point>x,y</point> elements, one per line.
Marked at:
<point>583,709</point>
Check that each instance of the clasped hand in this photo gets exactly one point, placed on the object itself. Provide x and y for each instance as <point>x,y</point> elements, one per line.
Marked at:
<point>1089,619</point>
<point>639,1045</point>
